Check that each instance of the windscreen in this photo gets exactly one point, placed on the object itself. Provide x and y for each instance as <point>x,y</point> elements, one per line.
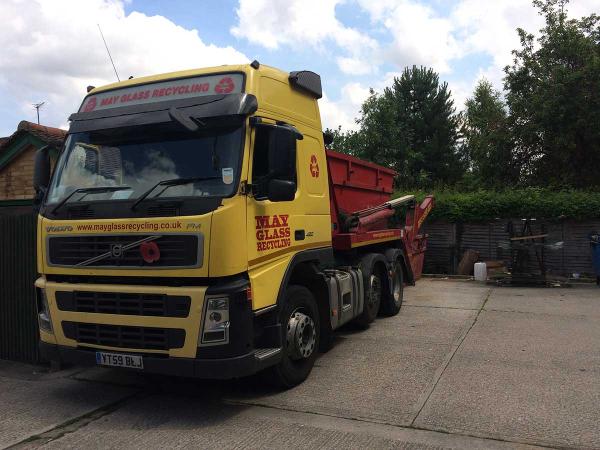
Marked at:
<point>137,160</point>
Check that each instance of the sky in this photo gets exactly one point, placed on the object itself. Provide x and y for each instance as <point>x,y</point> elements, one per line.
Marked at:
<point>50,50</point>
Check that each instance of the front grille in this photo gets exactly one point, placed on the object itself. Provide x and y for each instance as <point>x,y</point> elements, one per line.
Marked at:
<point>176,250</point>
<point>124,336</point>
<point>124,303</point>
<point>81,212</point>
<point>160,210</point>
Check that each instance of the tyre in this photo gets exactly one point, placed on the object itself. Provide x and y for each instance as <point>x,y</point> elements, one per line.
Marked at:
<point>374,285</point>
<point>299,318</point>
<point>391,302</point>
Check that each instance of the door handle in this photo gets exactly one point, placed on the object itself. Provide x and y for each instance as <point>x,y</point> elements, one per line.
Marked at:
<point>299,235</point>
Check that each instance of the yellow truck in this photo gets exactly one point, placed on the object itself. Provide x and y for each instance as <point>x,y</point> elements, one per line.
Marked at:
<point>195,225</point>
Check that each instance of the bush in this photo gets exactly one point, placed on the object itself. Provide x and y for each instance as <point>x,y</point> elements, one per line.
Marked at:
<point>540,203</point>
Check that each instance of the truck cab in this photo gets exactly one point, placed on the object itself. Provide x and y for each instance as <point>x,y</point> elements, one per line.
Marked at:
<point>187,229</point>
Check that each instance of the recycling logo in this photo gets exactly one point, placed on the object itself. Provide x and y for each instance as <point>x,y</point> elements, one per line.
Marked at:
<point>314,167</point>
<point>90,105</point>
<point>224,86</point>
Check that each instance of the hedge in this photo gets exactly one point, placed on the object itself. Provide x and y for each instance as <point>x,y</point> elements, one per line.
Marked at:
<point>525,202</point>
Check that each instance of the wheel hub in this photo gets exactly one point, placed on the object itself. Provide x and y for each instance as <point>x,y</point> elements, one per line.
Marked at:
<point>374,291</point>
<point>397,289</point>
<point>301,335</point>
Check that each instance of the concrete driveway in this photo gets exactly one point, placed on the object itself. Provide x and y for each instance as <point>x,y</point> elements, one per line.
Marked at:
<point>463,365</point>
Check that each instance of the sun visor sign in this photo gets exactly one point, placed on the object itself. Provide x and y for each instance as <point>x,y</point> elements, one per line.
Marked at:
<point>165,90</point>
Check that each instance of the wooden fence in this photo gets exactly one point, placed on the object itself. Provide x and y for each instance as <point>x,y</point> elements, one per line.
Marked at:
<point>448,241</point>
<point>18,316</point>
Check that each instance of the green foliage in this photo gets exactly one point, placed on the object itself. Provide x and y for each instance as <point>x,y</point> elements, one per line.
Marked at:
<point>486,205</point>
<point>546,133</point>
<point>487,140</point>
<point>553,93</point>
<point>345,141</point>
<point>410,127</point>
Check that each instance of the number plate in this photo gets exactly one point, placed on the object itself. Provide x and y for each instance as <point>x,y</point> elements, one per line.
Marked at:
<point>119,360</point>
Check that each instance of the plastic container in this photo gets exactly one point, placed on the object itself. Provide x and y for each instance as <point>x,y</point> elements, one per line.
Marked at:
<point>595,243</point>
<point>480,271</point>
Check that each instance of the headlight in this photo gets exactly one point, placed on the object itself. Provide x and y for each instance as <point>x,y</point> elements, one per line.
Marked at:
<point>216,322</point>
<point>44,319</point>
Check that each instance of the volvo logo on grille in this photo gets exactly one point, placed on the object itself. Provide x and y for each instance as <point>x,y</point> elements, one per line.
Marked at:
<point>116,250</point>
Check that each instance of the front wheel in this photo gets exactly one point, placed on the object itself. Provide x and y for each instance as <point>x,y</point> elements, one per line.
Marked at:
<point>299,318</point>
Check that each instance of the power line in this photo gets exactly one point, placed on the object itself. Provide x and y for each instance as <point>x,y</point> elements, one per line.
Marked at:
<point>108,51</point>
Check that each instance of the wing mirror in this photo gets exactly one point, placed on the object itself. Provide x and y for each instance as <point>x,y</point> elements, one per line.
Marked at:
<point>282,164</point>
<point>282,153</point>
<point>280,145</point>
<point>281,190</point>
<point>41,174</point>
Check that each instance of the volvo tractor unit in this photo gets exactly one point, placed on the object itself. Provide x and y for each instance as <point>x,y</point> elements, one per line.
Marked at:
<point>195,224</point>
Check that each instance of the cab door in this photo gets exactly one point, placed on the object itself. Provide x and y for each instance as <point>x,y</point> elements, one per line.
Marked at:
<point>272,209</point>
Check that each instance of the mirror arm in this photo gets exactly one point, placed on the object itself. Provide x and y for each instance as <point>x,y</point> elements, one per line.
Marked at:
<point>246,189</point>
<point>299,136</point>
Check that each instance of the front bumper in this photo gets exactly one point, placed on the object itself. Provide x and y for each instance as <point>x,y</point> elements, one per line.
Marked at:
<point>224,368</point>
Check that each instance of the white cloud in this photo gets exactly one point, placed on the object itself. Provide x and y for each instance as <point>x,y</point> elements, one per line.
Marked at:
<point>353,66</point>
<point>305,23</point>
<point>334,114</point>
<point>52,49</point>
<point>420,36</point>
<point>490,28</point>
<point>344,111</point>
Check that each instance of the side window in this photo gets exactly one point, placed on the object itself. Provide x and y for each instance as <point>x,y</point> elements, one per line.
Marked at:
<point>269,162</point>
<point>260,163</point>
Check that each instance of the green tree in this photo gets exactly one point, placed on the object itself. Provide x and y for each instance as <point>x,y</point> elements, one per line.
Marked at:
<point>553,93</point>
<point>411,127</point>
<point>349,142</point>
<point>486,138</point>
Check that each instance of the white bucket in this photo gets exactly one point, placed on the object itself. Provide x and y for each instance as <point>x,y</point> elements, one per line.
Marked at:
<point>480,271</point>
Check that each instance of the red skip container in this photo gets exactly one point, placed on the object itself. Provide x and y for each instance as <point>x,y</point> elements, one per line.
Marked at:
<point>355,184</point>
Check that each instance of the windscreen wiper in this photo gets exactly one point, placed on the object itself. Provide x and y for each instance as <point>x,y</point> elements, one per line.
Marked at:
<point>167,184</point>
<point>89,190</point>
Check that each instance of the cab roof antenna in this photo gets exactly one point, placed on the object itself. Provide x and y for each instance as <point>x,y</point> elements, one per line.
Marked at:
<point>108,51</point>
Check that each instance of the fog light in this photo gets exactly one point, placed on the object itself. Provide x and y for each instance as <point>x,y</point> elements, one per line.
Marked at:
<point>44,319</point>
<point>216,322</point>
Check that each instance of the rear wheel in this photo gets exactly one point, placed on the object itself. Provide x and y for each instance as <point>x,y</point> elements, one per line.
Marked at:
<point>373,279</point>
<point>392,302</point>
<point>299,317</point>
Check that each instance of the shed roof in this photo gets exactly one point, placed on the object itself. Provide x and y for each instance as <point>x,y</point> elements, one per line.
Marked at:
<point>32,134</point>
